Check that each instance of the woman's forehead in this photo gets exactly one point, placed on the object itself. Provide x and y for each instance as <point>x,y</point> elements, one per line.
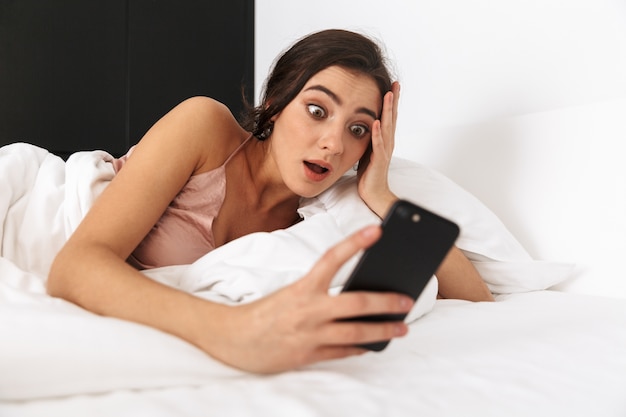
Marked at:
<point>346,84</point>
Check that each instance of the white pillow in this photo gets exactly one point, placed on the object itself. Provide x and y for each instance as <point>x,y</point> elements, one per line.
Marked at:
<point>502,261</point>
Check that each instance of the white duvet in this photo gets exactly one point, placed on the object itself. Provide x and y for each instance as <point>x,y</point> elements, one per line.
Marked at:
<point>533,352</point>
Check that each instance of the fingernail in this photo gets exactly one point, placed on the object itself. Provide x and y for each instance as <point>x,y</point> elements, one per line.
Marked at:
<point>400,329</point>
<point>368,231</point>
<point>406,303</point>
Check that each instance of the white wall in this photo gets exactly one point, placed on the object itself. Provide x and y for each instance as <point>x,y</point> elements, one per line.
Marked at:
<point>522,102</point>
<point>468,60</point>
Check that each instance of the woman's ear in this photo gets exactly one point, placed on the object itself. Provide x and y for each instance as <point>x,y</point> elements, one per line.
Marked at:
<point>274,117</point>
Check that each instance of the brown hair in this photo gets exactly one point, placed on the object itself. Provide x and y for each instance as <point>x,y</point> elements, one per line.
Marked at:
<point>304,59</point>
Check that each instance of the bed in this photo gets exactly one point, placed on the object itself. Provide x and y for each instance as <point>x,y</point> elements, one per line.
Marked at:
<point>546,347</point>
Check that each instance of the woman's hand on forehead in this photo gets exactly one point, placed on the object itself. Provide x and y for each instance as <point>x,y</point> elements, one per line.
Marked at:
<point>373,171</point>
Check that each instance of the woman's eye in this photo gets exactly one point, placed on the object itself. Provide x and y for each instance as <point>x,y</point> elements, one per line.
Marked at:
<point>359,130</point>
<point>316,111</point>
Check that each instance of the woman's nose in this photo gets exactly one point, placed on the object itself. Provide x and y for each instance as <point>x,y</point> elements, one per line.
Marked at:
<point>332,141</point>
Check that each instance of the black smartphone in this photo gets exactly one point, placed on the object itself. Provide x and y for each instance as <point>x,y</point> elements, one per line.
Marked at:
<point>413,244</point>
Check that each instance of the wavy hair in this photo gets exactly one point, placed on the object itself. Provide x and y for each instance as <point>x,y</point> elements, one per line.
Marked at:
<point>307,57</point>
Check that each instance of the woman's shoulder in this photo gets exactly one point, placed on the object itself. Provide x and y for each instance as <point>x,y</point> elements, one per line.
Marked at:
<point>204,103</point>
<point>215,127</point>
<point>208,111</point>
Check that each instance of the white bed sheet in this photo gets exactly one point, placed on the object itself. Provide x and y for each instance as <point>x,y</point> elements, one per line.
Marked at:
<point>539,353</point>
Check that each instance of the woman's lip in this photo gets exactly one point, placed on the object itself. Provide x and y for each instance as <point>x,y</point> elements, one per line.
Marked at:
<point>317,170</point>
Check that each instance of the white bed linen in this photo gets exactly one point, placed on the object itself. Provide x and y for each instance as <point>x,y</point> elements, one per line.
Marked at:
<point>530,354</point>
<point>533,350</point>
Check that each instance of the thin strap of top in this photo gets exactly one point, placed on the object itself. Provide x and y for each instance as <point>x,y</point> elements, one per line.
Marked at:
<point>236,151</point>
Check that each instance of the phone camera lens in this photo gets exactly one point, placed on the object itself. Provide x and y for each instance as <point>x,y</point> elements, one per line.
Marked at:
<point>404,212</point>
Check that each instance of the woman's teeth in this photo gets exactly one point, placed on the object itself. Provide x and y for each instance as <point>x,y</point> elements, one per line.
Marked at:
<point>316,168</point>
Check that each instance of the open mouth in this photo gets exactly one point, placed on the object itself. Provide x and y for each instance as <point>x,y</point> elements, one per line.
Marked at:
<point>318,169</point>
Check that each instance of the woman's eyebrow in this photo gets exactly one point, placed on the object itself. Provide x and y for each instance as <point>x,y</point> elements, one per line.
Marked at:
<point>334,97</point>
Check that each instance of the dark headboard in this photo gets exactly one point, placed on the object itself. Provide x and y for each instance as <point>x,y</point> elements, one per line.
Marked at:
<point>81,75</point>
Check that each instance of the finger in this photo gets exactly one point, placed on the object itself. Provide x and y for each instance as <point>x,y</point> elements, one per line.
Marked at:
<point>388,119</point>
<point>378,139</point>
<point>395,88</point>
<point>390,109</point>
<point>352,304</point>
<point>327,266</point>
<point>350,333</point>
<point>325,353</point>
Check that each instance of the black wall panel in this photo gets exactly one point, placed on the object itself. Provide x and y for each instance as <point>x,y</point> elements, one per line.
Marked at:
<point>80,75</point>
<point>62,73</point>
<point>179,49</point>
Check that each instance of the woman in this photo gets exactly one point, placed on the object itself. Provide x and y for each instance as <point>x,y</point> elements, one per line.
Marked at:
<point>198,179</point>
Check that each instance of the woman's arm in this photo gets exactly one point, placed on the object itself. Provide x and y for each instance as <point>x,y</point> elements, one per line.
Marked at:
<point>458,279</point>
<point>90,270</point>
<point>176,147</point>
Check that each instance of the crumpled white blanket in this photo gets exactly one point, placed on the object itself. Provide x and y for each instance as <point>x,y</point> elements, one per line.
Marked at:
<point>43,199</point>
<point>261,263</point>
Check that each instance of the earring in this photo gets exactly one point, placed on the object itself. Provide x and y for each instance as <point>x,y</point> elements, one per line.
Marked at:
<point>267,132</point>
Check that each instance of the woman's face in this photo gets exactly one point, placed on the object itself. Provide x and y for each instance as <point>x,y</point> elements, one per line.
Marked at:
<point>325,129</point>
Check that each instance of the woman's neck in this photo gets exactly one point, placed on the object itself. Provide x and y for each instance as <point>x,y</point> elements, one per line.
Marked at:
<point>265,181</point>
